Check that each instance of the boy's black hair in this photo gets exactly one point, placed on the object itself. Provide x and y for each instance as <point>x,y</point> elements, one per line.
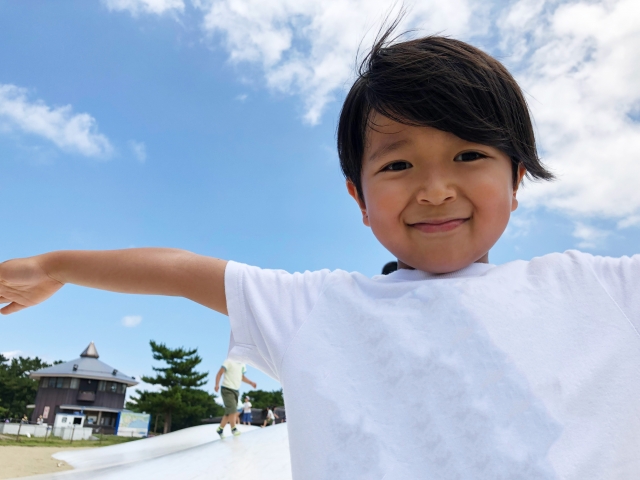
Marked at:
<point>442,83</point>
<point>389,267</point>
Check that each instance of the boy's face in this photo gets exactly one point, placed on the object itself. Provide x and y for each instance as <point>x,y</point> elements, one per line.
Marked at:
<point>437,202</point>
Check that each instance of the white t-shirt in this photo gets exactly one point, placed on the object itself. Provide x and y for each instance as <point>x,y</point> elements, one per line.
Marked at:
<point>528,370</point>
<point>246,407</point>
<point>233,372</point>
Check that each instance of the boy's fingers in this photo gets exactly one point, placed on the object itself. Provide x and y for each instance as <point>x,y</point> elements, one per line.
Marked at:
<point>4,300</point>
<point>12,308</point>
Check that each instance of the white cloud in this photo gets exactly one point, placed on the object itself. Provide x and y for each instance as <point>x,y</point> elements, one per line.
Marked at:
<point>580,63</point>
<point>242,97</point>
<point>590,237</point>
<point>631,221</point>
<point>13,354</point>
<point>131,321</point>
<point>307,47</point>
<point>519,225</point>
<point>74,132</point>
<point>139,150</point>
<point>137,7</point>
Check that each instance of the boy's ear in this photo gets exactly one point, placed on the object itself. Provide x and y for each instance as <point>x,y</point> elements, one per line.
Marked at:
<point>353,191</point>
<point>521,173</point>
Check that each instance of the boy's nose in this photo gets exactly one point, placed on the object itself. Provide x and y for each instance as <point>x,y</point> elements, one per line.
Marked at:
<point>436,192</point>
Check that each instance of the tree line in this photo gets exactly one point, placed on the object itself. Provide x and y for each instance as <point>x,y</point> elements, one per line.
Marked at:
<point>17,390</point>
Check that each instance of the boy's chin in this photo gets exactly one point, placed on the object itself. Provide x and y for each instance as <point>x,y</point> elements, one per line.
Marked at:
<point>437,266</point>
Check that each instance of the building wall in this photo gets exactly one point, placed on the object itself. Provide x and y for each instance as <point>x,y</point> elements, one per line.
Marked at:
<point>54,397</point>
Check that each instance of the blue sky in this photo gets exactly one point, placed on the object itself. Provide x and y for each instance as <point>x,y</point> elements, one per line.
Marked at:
<point>168,123</point>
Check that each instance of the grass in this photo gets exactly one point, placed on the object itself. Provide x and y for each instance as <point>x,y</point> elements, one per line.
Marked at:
<point>10,440</point>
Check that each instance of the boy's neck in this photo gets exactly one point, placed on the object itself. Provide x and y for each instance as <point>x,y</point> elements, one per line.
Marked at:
<point>483,259</point>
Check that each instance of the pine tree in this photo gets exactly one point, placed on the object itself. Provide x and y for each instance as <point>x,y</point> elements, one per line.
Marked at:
<point>181,402</point>
<point>17,390</point>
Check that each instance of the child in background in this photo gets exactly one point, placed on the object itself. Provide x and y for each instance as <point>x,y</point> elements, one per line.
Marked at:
<point>269,417</point>
<point>459,368</point>
<point>233,373</point>
<point>246,411</point>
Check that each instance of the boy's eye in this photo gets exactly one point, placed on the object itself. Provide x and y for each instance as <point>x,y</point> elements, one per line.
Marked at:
<point>469,156</point>
<point>397,166</point>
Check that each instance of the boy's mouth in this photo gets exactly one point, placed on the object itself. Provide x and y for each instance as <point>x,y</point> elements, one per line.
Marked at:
<point>439,225</point>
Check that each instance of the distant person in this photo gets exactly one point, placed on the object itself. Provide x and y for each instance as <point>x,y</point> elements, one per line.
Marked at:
<point>389,267</point>
<point>246,411</point>
<point>270,417</point>
<point>40,420</point>
<point>233,376</point>
<point>24,419</point>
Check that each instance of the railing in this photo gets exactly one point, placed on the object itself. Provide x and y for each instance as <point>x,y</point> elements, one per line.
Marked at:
<point>26,429</point>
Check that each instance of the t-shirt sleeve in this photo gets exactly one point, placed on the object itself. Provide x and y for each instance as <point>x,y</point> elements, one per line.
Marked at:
<point>620,277</point>
<point>266,310</point>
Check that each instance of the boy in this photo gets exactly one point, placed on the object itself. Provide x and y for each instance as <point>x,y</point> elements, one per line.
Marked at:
<point>460,369</point>
<point>247,416</point>
<point>233,376</point>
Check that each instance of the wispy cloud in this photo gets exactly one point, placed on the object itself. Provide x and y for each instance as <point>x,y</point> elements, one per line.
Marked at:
<point>139,150</point>
<point>12,354</point>
<point>69,131</point>
<point>137,7</point>
<point>631,221</point>
<point>131,321</point>
<point>589,236</point>
<point>519,225</point>
<point>307,47</point>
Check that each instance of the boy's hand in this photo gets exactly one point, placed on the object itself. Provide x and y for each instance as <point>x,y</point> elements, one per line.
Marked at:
<point>23,283</point>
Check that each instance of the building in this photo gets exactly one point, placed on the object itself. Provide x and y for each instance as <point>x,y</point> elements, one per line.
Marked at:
<point>84,385</point>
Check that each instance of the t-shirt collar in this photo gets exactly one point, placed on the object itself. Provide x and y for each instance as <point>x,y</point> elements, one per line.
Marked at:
<point>473,270</point>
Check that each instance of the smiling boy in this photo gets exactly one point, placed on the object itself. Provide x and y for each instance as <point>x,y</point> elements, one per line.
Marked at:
<point>460,369</point>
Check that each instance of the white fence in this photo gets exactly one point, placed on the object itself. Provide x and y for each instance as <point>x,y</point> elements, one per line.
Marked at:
<point>66,433</point>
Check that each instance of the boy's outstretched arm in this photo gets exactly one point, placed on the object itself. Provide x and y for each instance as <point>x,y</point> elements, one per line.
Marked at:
<point>25,282</point>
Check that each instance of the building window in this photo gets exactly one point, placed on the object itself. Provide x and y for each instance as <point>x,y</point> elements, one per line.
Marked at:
<point>52,382</point>
<point>122,388</point>
<point>66,382</point>
<point>112,387</point>
<point>59,381</point>
<point>44,383</point>
<point>75,383</point>
<point>101,385</point>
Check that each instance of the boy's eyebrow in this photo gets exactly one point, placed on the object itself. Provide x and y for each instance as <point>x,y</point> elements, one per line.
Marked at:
<point>388,148</point>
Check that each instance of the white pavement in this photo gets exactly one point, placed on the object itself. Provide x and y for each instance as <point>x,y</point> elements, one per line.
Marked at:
<point>190,454</point>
